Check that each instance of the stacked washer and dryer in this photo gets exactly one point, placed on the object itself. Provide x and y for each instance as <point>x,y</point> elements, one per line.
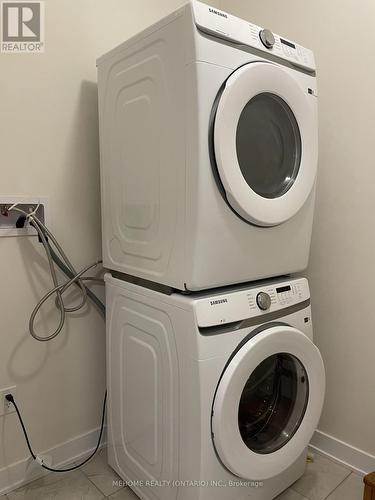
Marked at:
<point>208,136</point>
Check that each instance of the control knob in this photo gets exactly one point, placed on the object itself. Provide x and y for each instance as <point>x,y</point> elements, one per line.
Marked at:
<point>267,38</point>
<point>263,301</point>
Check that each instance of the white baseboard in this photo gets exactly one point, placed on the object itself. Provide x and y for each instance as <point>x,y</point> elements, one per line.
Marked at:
<point>358,460</point>
<point>24,471</point>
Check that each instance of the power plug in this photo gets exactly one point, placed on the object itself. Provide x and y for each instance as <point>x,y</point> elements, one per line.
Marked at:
<point>6,406</point>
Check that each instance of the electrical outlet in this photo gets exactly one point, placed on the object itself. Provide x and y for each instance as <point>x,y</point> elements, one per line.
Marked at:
<point>9,219</point>
<point>5,406</point>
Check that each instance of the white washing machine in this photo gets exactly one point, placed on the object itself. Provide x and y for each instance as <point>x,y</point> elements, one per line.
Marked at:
<point>208,137</point>
<point>211,396</point>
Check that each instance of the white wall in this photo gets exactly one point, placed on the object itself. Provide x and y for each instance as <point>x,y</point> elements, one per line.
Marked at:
<point>342,268</point>
<point>49,146</point>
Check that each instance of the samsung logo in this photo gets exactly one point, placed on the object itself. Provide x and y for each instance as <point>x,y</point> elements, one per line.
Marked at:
<point>218,301</point>
<point>217,12</point>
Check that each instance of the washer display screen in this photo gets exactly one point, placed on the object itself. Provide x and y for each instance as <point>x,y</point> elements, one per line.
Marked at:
<point>282,289</point>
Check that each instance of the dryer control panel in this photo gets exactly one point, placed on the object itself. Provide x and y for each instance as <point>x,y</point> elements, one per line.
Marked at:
<point>229,307</point>
<point>223,25</point>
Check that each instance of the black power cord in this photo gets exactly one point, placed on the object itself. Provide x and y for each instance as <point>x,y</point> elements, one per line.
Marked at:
<point>11,400</point>
<point>45,235</point>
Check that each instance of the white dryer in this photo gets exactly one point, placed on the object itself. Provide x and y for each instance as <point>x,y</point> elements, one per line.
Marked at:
<point>211,396</point>
<point>208,138</point>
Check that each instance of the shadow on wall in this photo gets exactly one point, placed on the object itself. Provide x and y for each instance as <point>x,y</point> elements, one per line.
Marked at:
<point>78,185</point>
<point>77,190</point>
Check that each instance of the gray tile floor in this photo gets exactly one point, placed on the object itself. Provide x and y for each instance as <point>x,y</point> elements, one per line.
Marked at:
<point>323,480</point>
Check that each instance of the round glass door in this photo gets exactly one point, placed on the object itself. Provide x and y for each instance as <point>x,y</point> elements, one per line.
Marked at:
<point>265,142</point>
<point>268,403</point>
<point>268,145</point>
<point>273,403</point>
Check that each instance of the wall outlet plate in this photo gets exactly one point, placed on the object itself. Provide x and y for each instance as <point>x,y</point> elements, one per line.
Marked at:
<point>8,219</point>
<point>5,406</point>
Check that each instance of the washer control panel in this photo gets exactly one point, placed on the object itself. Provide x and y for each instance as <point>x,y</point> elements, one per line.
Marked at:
<point>244,303</point>
<point>223,25</point>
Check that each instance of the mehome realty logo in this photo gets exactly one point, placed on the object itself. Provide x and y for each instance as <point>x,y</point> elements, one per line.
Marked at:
<point>22,27</point>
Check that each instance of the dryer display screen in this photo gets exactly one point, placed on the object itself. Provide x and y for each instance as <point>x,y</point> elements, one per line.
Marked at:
<point>283,289</point>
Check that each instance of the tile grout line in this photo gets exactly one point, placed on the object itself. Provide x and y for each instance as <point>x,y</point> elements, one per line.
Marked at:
<point>29,483</point>
<point>334,489</point>
<point>92,482</point>
<point>83,472</point>
<point>330,493</point>
<point>123,488</point>
<point>87,477</point>
<point>97,487</point>
<point>295,491</point>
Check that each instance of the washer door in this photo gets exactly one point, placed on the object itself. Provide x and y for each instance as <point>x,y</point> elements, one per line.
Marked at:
<point>265,143</point>
<point>268,403</point>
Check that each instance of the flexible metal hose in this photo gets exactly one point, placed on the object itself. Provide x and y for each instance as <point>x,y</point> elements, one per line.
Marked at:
<point>75,278</point>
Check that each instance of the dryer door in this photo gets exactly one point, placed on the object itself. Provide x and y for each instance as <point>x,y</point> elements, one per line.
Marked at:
<point>265,142</point>
<point>268,403</point>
